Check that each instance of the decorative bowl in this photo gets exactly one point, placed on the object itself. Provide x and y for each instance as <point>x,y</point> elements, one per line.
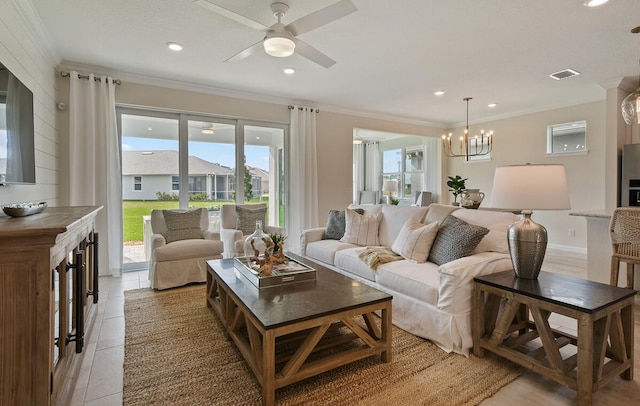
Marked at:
<point>23,209</point>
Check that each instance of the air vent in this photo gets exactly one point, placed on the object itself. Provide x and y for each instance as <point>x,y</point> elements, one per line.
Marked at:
<point>563,74</point>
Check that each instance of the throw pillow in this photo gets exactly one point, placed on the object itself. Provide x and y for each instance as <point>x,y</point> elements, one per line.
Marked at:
<point>182,225</point>
<point>415,240</point>
<point>247,217</point>
<point>455,239</point>
<point>336,224</point>
<point>361,229</point>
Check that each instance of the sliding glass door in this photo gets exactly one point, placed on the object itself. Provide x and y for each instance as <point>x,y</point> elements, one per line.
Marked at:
<point>172,160</point>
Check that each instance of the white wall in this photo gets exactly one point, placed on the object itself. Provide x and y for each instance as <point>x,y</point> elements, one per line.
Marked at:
<point>30,59</point>
<point>522,139</point>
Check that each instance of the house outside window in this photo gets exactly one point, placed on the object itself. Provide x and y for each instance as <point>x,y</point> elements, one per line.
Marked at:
<point>137,183</point>
<point>404,165</point>
<point>175,183</point>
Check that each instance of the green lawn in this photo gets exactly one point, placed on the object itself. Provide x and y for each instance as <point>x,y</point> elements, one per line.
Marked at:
<point>133,210</point>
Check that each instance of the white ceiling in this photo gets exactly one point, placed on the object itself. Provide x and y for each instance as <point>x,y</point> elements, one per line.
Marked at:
<point>391,55</point>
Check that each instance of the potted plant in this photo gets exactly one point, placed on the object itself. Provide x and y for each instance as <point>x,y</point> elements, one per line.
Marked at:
<point>457,186</point>
<point>276,238</point>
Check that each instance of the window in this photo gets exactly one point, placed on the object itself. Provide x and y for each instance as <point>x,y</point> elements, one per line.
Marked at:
<point>476,147</point>
<point>137,183</point>
<point>404,165</point>
<point>567,138</point>
<point>175,183</point>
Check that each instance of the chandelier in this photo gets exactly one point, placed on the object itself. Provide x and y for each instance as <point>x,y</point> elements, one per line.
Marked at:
<point>631,104</point>
<point>470,146</point>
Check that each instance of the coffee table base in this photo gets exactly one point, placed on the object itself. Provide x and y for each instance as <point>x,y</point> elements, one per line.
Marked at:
<point>261,348</point>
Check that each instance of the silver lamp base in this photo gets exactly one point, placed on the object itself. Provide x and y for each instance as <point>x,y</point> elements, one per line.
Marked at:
<point>527,245</point>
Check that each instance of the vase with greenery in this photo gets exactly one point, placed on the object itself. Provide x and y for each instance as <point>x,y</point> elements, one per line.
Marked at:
<point>457,186</point>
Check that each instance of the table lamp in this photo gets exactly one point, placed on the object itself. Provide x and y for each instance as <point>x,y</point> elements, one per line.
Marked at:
<point>529,187</point>
<point>389,186</point>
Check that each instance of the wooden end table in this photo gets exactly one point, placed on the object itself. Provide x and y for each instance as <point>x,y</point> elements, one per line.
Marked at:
<point>261,322</point>
<point>511,319</point>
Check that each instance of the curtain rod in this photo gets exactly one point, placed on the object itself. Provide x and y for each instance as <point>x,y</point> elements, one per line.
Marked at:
<point>96,78</point>
<point>302,108</point>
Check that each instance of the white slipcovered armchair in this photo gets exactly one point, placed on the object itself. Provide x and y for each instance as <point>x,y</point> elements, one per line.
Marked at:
<point>180,244</point>
<point>237,222</point>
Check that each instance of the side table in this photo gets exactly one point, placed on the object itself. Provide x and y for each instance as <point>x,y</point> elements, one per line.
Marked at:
<point>511,319</point>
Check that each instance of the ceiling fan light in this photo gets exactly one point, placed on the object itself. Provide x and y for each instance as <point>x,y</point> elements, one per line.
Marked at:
<point>279,46</point>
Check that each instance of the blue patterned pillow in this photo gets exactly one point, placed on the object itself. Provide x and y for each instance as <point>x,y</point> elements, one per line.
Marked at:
<point>455,239</point>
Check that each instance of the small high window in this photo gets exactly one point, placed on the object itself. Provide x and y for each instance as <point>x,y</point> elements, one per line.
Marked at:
<point>567,138</point>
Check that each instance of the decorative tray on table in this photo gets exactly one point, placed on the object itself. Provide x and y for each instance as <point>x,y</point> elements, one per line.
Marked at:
<point>289,272</point>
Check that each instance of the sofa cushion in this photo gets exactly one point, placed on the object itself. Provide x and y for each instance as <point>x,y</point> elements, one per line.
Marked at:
<point>348,260</point>
<point>415,240</point>
<point>335,227</point>
<point>183,249</point>
<point>439,212</point>
<point>456,239</point>
<point>248,216</point>
<point>393,218</point>
<point>498,224</point>
<point>361,229</point>
<point>182,225</point>
<point>419,281</point>
<point>325,250</point>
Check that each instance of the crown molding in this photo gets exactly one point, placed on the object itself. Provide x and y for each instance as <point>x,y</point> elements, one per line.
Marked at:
<point>218,91</point>
<point>36,29</point>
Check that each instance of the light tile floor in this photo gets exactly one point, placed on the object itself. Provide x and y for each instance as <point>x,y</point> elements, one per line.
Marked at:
<point>100,382</point>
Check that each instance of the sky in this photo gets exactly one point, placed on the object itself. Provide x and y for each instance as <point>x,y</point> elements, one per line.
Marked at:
<point>223,154</point>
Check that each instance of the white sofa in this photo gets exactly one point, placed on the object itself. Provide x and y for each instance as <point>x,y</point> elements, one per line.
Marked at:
<point>430,301</point>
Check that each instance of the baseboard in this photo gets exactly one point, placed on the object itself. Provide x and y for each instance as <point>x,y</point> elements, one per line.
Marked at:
<point>569,248</point>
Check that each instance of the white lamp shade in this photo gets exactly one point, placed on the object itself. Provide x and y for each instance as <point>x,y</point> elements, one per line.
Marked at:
<point>279,46</point>
<point>390,185</point>
<point>530,187</point>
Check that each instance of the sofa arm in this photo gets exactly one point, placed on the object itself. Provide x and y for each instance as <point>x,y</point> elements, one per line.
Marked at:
<point>157,241</point>
<point>275,230</point>
<point>210,235</point>
<point>229,237</point>
<point>456,279</point>
<point>308,236</point>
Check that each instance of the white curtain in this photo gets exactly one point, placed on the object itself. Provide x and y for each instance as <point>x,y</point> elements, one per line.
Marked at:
<point>432,164</point>
<point>359,164</point>
<point>373,168</point>
<point>94,163</point>
<point>303,190</point>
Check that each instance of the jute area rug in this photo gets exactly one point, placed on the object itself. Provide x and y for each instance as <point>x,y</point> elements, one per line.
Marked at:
<point>176,354</point>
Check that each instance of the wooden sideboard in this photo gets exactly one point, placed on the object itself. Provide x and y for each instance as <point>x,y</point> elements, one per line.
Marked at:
<point>48,302</point>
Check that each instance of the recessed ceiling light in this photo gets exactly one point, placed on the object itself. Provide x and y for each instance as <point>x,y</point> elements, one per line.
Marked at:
<point>289,71</point>
<point>149,129</point>
<point>207,131</point>
<point>174,46</point>
<point>594,3</point>
<point>439,92</point>
<point>492,105</point>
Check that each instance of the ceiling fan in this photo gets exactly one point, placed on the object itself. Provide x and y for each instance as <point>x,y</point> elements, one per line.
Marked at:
<point>281,40</point>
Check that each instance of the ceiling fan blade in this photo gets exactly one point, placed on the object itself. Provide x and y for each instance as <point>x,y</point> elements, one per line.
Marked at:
<point>321,17</point>
<point>231,15</point>
<point>309,52</point>
<point>246,52</point>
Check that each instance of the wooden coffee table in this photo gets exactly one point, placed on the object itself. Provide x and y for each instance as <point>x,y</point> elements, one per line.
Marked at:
<point>280,330</point>
<point>603,345</point>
